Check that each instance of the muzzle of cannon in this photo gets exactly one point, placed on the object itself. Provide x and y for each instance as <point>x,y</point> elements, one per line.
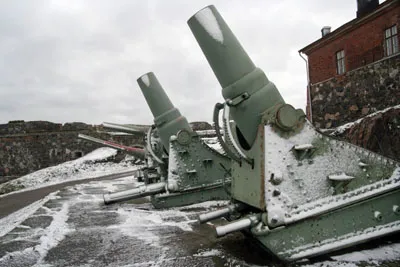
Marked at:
<point>167,118</point>
<point>303,193</point>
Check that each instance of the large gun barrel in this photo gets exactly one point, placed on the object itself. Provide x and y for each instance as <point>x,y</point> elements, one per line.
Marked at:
<point>135,151</point>
<point>167,118</point>
<point>245,88</point>
<point>138,192</point>
<point>125,128</point>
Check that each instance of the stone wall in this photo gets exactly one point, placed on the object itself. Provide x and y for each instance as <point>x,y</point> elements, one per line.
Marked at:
<point>28,146</point>
<point>358,93</point>
<point>379,133</point>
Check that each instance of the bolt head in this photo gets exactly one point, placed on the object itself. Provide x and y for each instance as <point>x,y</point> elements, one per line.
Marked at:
<point>396,209</point>
<point>276,193</point>
<point>378,216</point>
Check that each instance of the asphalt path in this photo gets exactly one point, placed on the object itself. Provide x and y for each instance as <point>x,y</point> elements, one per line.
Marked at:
<point>13,202</point>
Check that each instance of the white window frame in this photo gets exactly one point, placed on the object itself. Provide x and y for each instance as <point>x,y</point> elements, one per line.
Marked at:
<point>340,62</point>
<point>391,41</point>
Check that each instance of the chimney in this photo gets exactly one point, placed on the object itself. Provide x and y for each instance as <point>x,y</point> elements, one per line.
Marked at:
<point>325,30</point>
<point>366,6</point>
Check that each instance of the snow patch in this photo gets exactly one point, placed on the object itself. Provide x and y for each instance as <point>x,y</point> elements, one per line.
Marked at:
<point>118,133</point>
<point>11,221</point>
<point>213,143</point>
<point>340,177</point>
<point>343,241</point>
<point>144,224</point>
<point>388,252</point>
<point>208,253</point>
<point>303,147</point>
<point>331,264</point>
<point>83,168</point>
<point>98,154</point>
<point>146,80</point>
<point>114,185</point>
<point>209,22</point>
<point>54,233</point>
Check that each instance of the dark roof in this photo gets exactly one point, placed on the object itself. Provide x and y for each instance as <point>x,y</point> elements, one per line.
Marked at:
<point>349,26</point>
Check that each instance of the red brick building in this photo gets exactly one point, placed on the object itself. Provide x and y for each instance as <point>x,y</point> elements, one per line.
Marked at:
<point>353,70</point>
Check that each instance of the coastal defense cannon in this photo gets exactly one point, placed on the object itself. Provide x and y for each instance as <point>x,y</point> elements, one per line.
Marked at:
<point>189,170</point>
<point>167,119</point>
<point>297,191</point>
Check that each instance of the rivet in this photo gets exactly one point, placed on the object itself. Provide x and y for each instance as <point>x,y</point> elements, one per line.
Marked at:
<point>274,221</point>
<point>396,209</point>
<point>276,193</point>
<point>378,216</point>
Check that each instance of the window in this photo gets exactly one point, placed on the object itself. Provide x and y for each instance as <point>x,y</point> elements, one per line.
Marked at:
<point>391,41</point>
<point>340,67</point>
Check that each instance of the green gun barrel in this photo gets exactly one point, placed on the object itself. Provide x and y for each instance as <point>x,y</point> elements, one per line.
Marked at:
<point>245,87</point>
<point>167,118</point>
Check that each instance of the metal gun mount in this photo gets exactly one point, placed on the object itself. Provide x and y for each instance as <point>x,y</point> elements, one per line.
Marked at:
<point>301,193</point>
<point>189,171</point>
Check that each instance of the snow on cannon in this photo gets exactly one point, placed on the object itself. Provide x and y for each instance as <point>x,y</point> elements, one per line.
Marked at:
<point>297,191</point>
<point>189,170</point>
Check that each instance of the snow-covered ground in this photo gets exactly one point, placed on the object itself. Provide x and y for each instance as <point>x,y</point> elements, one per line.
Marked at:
<point>89,166</point>
<point>72,227</point>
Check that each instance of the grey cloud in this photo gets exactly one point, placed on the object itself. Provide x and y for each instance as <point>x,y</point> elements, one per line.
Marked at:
<point>78,60</point>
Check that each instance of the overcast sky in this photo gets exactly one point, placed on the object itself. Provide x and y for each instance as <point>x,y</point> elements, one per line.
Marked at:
<point>67,60</point>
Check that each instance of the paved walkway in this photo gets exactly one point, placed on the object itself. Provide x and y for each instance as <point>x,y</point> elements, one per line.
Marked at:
<point>14,202</point>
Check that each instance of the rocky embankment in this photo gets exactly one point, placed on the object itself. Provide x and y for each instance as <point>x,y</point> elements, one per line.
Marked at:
<point>378,132</point>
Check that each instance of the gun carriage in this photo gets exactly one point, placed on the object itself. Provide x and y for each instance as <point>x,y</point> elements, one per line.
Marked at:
<point>298,192</point>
